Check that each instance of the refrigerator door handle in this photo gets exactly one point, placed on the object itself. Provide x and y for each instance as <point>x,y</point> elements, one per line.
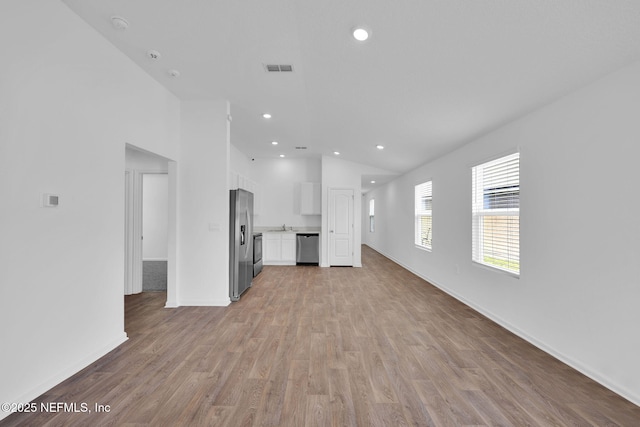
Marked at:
<point>242,234</point>
<point>247,230</point>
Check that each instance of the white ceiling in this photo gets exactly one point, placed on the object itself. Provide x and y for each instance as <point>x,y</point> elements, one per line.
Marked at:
<point>434,75</point>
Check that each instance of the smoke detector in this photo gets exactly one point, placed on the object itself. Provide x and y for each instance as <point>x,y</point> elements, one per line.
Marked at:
<point>154,55</point>
<point>119,23</point>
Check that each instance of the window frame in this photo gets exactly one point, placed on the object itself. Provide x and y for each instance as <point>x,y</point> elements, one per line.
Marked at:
<point>424,189</point>
<point>479,211</point>
<point>372,215</point>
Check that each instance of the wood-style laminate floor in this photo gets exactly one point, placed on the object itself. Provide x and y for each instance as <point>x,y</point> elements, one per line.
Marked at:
<point>371,346</point>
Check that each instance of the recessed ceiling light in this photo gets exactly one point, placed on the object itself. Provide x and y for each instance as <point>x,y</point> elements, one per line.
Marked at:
<point>119,23</point>
<point>274,142</point>
<point>281,155</point>
<point>337,153</point>
<point>373,182</point>
<point>380,147</point>
<point>266,115</point>
<point>361,34</point>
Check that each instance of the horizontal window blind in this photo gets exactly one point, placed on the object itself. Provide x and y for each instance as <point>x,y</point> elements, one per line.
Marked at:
<point>423,214</point>
<point>372,222</point>
<point>496,213</point>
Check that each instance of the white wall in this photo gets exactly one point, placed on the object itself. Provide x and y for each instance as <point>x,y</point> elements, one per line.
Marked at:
<point>155,216</point>
<point>143,161</point>
<point>239,162</point>
<point>203,204</point>
<point>68,103</point>
<point>278,184</point>
<point>577,296</point>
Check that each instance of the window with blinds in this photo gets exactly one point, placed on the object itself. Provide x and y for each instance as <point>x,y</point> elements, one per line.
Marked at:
<point>372,223</point>
<point>496,213</point>
<point>423,217</point>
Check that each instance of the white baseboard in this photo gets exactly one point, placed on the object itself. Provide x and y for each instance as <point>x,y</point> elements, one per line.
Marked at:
<point>278,262</point>
<point>171,304</point>
<point>205,303</point>
<point>585,370</point>
<point>66,373</point>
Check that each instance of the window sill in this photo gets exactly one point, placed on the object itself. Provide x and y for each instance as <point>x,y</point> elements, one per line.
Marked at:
<point>496,269</point>
<point>422,248</point>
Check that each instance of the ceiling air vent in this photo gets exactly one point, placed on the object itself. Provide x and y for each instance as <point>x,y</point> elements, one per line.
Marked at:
<point>275,68</point>
<point>301,148</point>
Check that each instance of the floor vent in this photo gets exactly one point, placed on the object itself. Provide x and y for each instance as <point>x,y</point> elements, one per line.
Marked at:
<point>275,68</point>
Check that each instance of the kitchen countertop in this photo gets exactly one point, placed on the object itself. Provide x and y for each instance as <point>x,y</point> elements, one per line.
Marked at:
<point>276,229</point>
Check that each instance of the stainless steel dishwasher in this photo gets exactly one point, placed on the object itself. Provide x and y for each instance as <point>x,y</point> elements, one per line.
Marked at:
<point>307,248</point>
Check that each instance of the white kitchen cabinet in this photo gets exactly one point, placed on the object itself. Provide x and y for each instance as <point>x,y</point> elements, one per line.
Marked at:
<point>271,248</point>
<point>310,198</point>
<point>289,248</point>
<point>279,248</point>
<point>237,180</point>
<point>233,180</point>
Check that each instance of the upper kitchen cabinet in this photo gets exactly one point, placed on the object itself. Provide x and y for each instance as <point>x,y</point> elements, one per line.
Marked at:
<point>239,181</point>
<point>310,198</point>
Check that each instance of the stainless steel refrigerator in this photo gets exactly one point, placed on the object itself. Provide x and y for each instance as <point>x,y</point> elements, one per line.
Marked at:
<point>240,243</point>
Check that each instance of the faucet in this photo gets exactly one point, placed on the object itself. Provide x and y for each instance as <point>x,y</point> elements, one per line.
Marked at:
<point>284,228</point>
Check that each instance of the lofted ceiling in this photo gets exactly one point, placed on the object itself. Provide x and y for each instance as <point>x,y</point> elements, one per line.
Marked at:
<point>433,76</point>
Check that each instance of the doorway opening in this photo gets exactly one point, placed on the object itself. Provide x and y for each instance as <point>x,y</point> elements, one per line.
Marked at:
<point>150,207</point>
<point>155,226</point>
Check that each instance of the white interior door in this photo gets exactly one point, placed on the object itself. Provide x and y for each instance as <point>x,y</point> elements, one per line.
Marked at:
<point>341,227</point>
